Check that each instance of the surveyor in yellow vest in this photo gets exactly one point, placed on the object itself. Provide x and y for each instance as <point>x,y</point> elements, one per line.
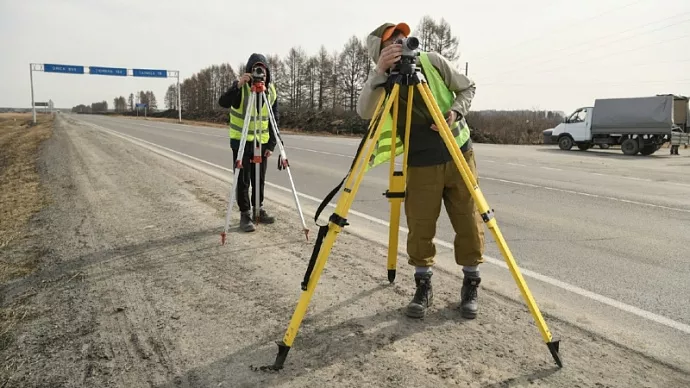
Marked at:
<point>432,176</point>
<point>236,98</point>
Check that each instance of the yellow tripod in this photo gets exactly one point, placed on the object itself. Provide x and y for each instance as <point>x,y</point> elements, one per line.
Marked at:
<point>406,74</point>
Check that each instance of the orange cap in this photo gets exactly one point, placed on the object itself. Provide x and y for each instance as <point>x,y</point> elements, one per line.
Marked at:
<point>402,27</point>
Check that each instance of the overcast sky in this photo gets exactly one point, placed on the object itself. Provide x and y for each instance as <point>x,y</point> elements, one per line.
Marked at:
<point>533,54</point>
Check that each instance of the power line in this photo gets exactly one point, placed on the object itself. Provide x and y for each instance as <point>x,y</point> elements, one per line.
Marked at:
<point>560,28</point>
<point>627,66</point>
<point>534,84</point>
<point>614,53</point>
<point>587,47</point>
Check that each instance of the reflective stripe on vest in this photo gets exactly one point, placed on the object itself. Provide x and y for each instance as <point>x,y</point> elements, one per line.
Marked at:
<point>444,98</point>
<point>237,116</point>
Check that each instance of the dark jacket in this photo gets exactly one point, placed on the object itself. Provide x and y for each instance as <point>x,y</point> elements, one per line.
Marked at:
<point>233,96</point>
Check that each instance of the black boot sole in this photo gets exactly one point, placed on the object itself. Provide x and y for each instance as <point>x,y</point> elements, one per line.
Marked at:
<point>413,313</point>
<point>469,314</point>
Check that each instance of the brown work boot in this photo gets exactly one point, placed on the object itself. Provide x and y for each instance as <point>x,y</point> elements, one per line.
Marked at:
<point>423,296</point>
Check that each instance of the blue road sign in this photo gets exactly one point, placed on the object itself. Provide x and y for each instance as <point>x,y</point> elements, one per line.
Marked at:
<point>107,71</point>
<point>141,105</point>
<point>149,73</point>
<point>53,68</point>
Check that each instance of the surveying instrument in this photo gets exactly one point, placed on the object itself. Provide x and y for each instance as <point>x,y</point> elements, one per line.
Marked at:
<point>405,73</point>
<point>257,99</point>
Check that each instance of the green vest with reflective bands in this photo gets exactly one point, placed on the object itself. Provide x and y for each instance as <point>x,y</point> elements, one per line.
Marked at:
<point>444,98</point>
<point>237,116</point>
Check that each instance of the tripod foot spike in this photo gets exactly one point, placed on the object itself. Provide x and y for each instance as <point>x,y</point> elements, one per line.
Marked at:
<point>553,348</point>
<point>222,238</point>
<point>280,359</point>
<point>391,275</point>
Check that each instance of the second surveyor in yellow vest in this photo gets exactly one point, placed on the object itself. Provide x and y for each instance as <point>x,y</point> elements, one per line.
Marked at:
<point>236,99</point>
<point>262,122</point>
<point>432,176</point>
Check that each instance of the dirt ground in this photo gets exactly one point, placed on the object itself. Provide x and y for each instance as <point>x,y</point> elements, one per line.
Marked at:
<point>132,289</point>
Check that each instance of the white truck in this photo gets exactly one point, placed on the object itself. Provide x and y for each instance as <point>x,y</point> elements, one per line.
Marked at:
<point>638,124</point>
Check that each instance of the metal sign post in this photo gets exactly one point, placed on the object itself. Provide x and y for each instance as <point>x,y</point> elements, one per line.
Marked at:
<point>139,105</point>
<point>98,70</point>
<point>33,107</point>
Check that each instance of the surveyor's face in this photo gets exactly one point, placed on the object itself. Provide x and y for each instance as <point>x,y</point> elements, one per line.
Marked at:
<point>396,35</point>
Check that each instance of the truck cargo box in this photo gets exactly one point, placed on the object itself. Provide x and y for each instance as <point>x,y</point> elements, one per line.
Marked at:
<point>638,115</point>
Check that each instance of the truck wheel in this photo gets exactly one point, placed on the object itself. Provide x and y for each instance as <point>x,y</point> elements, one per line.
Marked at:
<point>565,143</point>
<point>630,146</point>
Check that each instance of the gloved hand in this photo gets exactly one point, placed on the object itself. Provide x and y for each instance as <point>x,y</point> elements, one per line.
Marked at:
<point>282,163</point>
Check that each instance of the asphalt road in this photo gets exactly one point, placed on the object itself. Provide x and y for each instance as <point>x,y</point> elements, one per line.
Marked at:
<point>614,228</point>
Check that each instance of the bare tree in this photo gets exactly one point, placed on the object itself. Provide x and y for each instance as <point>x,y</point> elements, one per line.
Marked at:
<point>171,97</point>
<point>311,79</point>
<point>437,37</point>
<point>354,67</point>
<point>291,77</point>
<point>325,70</point>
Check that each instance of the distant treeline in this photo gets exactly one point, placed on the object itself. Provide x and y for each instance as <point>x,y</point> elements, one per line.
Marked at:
<point>318,93</point>
<point>120,104</point>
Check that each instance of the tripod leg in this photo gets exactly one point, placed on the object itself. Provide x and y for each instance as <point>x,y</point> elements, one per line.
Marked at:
<point>238,167</point>
<point>488,217</point>
<point>284,158</point>
<point>258,157</point>
<point>327,236</point>
<point>396,192</point>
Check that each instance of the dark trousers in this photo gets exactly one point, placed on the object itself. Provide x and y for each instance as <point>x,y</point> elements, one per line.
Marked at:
<point>248,175</point>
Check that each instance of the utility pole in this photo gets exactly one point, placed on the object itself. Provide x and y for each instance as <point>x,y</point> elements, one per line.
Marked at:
<point>31,77</point>
<point>466,66</point>
<point>179,99</point>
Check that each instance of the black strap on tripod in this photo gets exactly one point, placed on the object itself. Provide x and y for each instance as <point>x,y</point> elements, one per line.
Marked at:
<point>329,196</point>
<point>338,220</point>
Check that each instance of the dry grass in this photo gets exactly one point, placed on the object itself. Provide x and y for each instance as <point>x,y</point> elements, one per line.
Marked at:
<point>21,194</point>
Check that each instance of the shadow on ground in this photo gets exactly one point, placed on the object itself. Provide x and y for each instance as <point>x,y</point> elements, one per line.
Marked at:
<point>54,268</point>
<point>349,342</point>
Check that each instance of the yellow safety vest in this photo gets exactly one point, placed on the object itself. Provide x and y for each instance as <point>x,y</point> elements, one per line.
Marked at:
<point>237,116</point>
<point>444,98</point>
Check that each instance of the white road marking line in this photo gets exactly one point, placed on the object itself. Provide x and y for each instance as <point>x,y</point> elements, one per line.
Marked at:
<point>181,130</point>
<point>525,272</point>
<point>636,178</point>
<point>319,152</point>
<point>499,180</point>
<point>590,195</point>
<point>351,156</point>
<point>539,186</point>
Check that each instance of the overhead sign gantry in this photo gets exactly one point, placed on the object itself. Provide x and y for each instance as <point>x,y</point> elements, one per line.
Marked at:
<point>99,70</point>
